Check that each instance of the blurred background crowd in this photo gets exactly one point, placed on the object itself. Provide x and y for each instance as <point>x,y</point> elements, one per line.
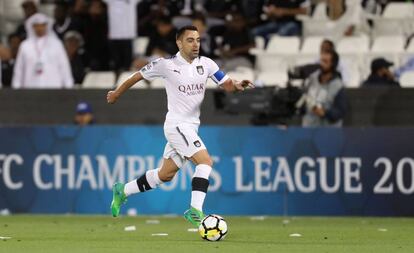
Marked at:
<point>320,46</point>
<point>57,43</point>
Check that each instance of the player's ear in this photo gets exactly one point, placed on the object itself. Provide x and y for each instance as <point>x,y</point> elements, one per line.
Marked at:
<point>179,43</point>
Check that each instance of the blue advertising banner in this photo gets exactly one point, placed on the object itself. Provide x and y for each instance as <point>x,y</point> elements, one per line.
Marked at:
<point>257,170</point>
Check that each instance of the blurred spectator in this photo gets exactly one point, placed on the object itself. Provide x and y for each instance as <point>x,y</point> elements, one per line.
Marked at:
<point>149,11</point>
<point>251,9</point>
<point>324,101</point>
<point>237,40</point>
<point>219,8</point>
<point>122,20</point>
<point>84,114</point>
<point>63,20</point>
<point>206,44</point>
<point>343,18</point>
<point>161,43</point>
<point>41,61</point>
<point>374,6</point>
<point>29,8</point>
<point>328,45</point>
<point>281,16</point>
<point>162,40</point>
<point>9,58</point>
<point>381,74</point>
<point>408,66</point>
<point>95,35</point>
<point>73,42</point>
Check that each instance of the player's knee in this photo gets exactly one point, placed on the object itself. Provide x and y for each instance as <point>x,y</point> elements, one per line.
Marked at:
<point>166,177</point>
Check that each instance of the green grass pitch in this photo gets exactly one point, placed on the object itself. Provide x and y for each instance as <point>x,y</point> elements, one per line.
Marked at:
<point>102,234</point>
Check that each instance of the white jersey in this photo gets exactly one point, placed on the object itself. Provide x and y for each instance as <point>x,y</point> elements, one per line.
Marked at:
<point>185,84</point>
<point>122,19</point>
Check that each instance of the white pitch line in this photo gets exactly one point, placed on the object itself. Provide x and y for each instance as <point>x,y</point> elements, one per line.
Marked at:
<point>152,221</point>
<point>130,228</point>
<point>159,234</point>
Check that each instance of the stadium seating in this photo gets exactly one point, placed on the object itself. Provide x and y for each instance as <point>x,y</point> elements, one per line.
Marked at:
<point>389,47</point>
<point>407,79</point>
<point>124,75</point>
<point>283,45</point>
<point>353,45</point>
<point>311,45</point>
<point>140,45</point>
<point>99,79</point>
<point>396,19</point>
<point>12,10</point>
<point>259,42</point>
<point>47,8</point>
<point>273,78</point>
<point>279,54</point>
<point>157,83</point>
<point>242,73</point>
<point>399,10</point>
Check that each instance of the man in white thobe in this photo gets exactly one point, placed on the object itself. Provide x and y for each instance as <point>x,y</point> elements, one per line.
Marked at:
<point>42,61</point>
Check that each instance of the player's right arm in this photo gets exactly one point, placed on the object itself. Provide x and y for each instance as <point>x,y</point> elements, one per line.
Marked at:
<point>152,70</point>
<point>113,95</point>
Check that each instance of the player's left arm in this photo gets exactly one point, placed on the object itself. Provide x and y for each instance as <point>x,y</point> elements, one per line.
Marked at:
<point>224,81</point>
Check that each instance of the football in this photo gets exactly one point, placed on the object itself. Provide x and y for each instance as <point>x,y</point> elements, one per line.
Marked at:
<point>213,228</point>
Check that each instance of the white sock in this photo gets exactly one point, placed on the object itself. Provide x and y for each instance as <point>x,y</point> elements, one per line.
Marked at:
<point>200,185</point>
<point>150,177</point>
<point>131,188</point>
<point>197,199</point>
<point>153,178</point>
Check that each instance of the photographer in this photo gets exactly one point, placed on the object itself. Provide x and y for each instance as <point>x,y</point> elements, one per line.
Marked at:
<point>324,102</point>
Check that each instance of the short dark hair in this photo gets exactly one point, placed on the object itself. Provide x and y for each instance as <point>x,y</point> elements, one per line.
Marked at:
<point>330,43</point>
<point>182,30</point>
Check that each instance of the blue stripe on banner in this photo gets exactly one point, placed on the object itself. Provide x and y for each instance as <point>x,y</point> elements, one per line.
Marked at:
<point>219,75</point>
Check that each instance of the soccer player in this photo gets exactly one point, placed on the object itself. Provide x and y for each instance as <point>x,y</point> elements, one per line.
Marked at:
<point>185,77</point>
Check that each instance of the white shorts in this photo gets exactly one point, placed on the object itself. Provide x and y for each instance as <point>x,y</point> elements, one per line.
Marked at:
<point>183,142</point>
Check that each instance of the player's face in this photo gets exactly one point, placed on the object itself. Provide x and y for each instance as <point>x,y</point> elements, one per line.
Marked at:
<point>189,44</point>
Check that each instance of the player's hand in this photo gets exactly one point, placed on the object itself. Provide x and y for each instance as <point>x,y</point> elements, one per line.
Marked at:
<point>245,84</point>
<point>319,111</point>
<point>112,97</point>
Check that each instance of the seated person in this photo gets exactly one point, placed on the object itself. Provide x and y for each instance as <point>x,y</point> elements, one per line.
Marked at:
<point>237,41</point>
<point>302,72</point>
<point>381,74</point>
<point>324,102</point>
<point>84,115</point>
<point>282,18</point>
<point>161,43</point>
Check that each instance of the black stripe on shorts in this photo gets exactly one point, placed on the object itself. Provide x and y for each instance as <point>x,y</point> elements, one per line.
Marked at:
<point>185,139</point>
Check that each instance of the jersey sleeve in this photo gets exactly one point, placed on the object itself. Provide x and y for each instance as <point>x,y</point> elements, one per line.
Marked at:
<point>218,76</point>
<point>153,70</point>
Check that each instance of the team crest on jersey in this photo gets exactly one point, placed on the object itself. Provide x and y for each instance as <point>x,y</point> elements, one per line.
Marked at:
<point>197,144</point>
<point>200,70</point>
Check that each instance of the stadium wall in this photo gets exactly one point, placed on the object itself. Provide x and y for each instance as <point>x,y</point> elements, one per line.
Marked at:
<point>258,170</point>
<point>377,106</point>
